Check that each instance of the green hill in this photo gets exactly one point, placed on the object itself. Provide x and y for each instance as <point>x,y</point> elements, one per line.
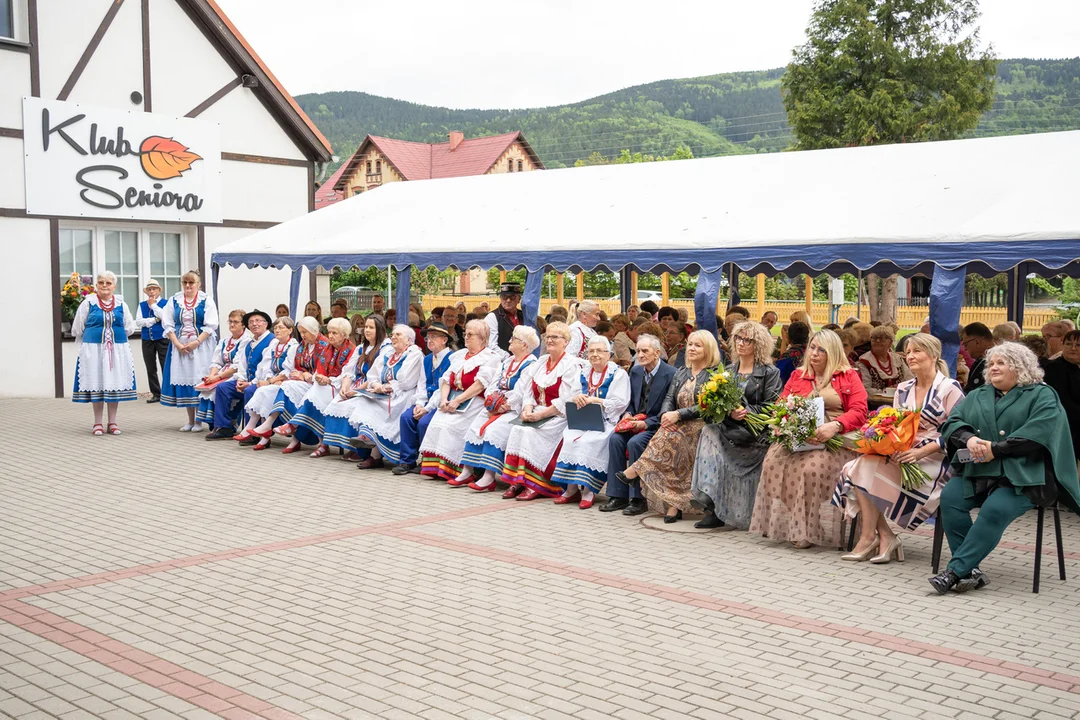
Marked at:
<point>712,115</point>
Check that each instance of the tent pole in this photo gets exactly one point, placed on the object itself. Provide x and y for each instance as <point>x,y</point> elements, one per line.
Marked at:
<point>858,296</point>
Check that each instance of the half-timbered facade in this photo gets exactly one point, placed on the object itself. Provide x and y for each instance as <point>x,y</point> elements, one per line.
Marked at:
<point>136,136</point>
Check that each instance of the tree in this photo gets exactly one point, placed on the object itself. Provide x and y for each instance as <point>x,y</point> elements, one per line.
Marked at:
<point>873,72</point>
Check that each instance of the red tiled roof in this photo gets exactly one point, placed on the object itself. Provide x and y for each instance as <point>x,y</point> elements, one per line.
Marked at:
<point>326,195</point>
<point>423,161</point>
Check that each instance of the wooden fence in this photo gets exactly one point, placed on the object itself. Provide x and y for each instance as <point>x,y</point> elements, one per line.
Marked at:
<point>911,318</point>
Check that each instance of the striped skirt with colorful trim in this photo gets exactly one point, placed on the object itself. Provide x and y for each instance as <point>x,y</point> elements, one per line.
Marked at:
<point>205,411</point>
<point>574,474</point>
<point>519,471</point>
<point>436,466</point>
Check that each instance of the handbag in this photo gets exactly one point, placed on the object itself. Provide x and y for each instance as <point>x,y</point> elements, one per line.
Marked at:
<point>737,433</point>
<point>625,425</point>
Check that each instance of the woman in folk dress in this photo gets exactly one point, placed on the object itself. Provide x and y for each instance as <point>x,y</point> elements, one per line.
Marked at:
<point>190,323</point>
<point>104,372</point>
<point>226,362</point>
<point>582,466</point>
<point>871,485</point>
<point>392,380</point>
<point>308,420</point>
<point>882,368</point>
<point>532,450</point>
<point>485,442</point>
<point>277,364</point>
<point>471,371</point>
<point>338,432</point>
<point>311,359</point>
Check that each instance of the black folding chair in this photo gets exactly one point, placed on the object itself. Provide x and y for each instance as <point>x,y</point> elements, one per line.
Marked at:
<point>939,537</point>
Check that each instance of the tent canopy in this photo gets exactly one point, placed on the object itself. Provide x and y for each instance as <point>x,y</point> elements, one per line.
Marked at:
<point>989,204</point>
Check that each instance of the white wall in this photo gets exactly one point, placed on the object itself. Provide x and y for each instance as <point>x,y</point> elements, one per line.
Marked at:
<point>12,183</point>
<point>26,370</point>
<point>14,86</point>
<point>115,70</point>
<point>256,191</point>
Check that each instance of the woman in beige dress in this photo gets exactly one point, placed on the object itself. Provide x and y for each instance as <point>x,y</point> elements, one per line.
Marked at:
<point>666,468</point>
<point>793,498</point>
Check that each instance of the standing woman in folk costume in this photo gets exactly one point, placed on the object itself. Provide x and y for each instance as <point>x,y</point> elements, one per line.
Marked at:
<point>485,442</point>
<point>392,380</point>
<point>224,364</point>
<point>311,357</point>
<point>190,322</point>
<point>532,450</point>
<point>581,330</point>
<point>583,461</point>
<point>307,421</point>
<point>337,431</point>
<point>104,372</point>
<point>471,371</point>
<point>278,361</point>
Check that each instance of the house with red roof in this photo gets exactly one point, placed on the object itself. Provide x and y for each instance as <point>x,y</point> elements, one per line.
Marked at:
<point>380,160</point>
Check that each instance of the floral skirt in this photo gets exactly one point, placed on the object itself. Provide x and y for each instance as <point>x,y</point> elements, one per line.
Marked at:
<point>666,468</point>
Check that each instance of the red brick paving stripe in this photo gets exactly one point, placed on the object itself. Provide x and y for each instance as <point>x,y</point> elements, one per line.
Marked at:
<point>186,685</point>
<point>190,561</point>
<point>893,643</point>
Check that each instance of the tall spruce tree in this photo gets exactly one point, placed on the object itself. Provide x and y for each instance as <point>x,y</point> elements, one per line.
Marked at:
<point>873,72</point>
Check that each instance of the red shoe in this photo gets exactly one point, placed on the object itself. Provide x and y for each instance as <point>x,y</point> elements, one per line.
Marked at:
<point>98,429</point>
<point>586,504</point>
<point>490,488</point>
<point>293,449</point>
<point>243,436</point>
<point>285,430</point>
<point>529,494</point>
<point>567,499</point>
<point>261,446</point>
<point>320,451</point>
<point>266,434</point>
<point>512,492</point>
<point>458,483</point>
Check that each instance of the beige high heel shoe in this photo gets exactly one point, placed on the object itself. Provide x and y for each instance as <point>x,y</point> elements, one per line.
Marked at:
<point>865,554</point>
<point>896,547</point>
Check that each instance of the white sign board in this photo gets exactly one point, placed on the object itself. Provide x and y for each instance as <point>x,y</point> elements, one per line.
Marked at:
<point>836,291</point>
<point>85,161</point>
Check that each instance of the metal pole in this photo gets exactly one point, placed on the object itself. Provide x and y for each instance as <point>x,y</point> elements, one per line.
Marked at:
<point>390,286</point>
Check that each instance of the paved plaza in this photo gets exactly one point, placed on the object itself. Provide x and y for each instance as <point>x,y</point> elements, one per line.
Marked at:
<point>157,575</point>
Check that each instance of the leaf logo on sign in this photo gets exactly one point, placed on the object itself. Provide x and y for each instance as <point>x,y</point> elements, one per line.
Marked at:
<point>164,158</point>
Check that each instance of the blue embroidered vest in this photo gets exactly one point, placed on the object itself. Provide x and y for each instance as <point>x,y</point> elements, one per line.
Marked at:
<point>605,385</point>
<point>200,311</point>
<point>432,375</point>
<point>155,331</point>
<point>254,353</point>
<point>94,332</point>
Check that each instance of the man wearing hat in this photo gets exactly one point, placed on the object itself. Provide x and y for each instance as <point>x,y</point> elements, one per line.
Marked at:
<point>154,343</point>
<point>414,424</point>
<point>231,395</point>
<point>506,317</point>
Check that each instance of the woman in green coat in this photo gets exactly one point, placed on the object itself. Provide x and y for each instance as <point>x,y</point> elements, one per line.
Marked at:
<point>1021,457</point>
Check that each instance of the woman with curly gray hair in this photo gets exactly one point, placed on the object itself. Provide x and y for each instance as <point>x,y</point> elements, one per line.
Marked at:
<point>1011,450</point>
<point>729,456</point>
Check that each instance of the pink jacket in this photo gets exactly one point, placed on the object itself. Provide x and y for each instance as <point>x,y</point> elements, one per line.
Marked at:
<point>847,384</point>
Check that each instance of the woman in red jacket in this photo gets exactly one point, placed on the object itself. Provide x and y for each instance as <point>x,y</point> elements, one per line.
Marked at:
<point>793,499</point>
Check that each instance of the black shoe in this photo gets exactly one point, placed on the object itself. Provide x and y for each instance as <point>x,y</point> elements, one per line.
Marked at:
<point>943,582</point>
<point>632,482</point>
<point>708,522</point>
<point>636,506</point>
<point>974,581</point>
<point>153,399</point>
<point>362,443</point>
<point>252,440</point>
<point>220,433</point>
<point>668,519</point>
<point>614,504</point>
<point>403,469</point>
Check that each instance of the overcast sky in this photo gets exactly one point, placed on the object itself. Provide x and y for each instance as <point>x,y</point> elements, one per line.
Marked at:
<point>532,53</point>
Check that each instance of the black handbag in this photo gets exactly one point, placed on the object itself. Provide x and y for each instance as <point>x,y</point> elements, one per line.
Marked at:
<point>737,433</point>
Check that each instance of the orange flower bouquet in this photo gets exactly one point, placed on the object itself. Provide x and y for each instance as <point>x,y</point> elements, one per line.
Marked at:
<point>890,430</point>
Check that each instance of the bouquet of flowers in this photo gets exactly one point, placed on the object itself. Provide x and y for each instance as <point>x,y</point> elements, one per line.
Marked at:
<point>890,430</point>
<point>719,397</point>
<point>72,294</point>
<point>791,422</point>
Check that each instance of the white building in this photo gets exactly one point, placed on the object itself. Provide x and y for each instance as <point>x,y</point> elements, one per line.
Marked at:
<point>136,136</point>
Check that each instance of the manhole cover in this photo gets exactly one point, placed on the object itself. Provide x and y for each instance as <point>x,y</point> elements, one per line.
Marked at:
<point>686,525</point>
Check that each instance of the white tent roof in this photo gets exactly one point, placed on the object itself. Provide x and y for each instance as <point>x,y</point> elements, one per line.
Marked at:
<point>998,200</point>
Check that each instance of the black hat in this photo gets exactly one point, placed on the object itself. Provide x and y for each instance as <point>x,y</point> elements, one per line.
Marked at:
<point>436,327</point>
<point>509,289</point>
<point>260,313</point>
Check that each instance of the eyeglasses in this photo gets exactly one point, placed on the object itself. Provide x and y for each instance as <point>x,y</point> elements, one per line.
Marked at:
<point>743,339</point>
<point>190,282</point>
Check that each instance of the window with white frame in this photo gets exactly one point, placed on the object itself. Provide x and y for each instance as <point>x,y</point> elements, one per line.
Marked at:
<point>165,264</point>
<point>136,255</point>
<point>7,19</point>
<point>76,253</point>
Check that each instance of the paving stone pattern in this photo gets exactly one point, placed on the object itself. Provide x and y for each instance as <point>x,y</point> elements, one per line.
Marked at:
<point>157,575</point>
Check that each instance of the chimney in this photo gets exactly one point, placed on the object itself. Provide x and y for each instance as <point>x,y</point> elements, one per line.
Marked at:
<point>456,139</point>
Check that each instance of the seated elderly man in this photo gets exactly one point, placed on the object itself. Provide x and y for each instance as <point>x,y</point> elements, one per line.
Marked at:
<point>649,381</point>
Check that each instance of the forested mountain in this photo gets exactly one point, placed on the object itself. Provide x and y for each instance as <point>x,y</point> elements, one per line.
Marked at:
<point>711,115</point>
